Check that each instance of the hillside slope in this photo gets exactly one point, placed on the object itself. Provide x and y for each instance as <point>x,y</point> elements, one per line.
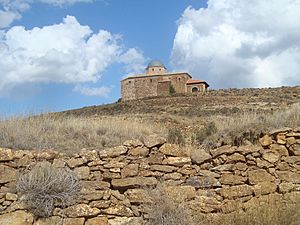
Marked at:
<point>214,102</point>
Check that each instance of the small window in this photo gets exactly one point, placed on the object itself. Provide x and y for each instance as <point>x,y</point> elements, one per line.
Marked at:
<point>179,78</point>
<point>150,80</point>
<point>129,82</point>
<point>152,69</point>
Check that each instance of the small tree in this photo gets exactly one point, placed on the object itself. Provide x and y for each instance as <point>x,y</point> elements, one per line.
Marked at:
<point>172,90</point>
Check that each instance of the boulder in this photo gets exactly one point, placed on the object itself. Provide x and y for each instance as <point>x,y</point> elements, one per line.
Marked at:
<point>172,150</point>
<point>203,182</point>
<point>16,218</point>
<point>234,192</point>
<point>126,221</point>
<point>95,185</point>
<point>130,170</point>
<point>97,221</point>
<point>281,149</point>
<point>82,172</point>
<point>137,196</point>
<point>113,152</point>
<point>232,179</point>
<point>236,157</point>
<point>200,156</point>
<point>289,176</point>
<point>73,221</point>
<point>139,151</point>
<point>74,162</point>
<point>81,210</point>
<point>6,155</point>
<point>89,155</point>
<point>118,210</point>
<point>258,176</point>
<point>163,168</point>
<point>226,149</point>
<point>100,204</point>
<point>271,156</point>
<point>53,220</point>
<point>7,174</point>
<point>133,143</point>
<point>264,188</point>
<point>265,141</point>
<point>154,140</point>
<point>133,182</point>
<point>177,161</point>
<point>295,149</point>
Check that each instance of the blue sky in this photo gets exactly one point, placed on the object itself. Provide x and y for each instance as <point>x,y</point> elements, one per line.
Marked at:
<point>63,54</point>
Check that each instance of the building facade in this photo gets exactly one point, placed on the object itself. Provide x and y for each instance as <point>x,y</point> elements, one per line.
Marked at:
<point>158,82</point>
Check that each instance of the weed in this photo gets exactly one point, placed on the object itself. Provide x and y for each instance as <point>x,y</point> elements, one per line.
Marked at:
<point>45,186</point>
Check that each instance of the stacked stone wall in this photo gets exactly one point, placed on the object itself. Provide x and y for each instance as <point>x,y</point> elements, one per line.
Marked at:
<point>115,181</point>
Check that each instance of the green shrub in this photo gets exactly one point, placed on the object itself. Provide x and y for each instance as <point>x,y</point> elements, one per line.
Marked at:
<point>46,186</point>
<point>175,136</point>
<point>172,90</point>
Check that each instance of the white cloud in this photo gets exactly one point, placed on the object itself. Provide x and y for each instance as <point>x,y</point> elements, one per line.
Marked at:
<point>92,91</point>
<point>12,9</point>
<point>234,43</point>
<point>134,61</point>
<point>62,53</point>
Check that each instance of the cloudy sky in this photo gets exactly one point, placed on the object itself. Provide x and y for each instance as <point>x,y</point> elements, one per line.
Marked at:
<point>63,54</point>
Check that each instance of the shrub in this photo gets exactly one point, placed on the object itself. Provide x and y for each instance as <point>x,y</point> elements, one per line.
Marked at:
<point>172,90</point>
<point>175,136</point>
<point>164,210</point>
<point>205,132</point>
<point>45,186</point>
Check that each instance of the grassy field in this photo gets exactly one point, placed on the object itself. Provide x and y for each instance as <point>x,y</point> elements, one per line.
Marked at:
<point>70,134</point>
<point>218,117</point>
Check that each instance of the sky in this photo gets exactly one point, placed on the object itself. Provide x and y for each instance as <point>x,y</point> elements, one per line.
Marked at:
<point>63,54</point>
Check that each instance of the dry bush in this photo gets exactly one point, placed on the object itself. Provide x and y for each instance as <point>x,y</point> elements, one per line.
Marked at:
<point>175,136</point>
<point>164,210</point>
<point>45,186</point>
<point>272,213</point>
<point>69,133</point>
<point>205,132</point>
<point>248,127</point>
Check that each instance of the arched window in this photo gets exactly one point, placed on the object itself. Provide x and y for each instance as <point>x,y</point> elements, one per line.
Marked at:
<point>195,89</point>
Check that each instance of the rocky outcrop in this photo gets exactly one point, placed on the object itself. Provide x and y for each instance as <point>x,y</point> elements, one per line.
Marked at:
<point>116,181</point>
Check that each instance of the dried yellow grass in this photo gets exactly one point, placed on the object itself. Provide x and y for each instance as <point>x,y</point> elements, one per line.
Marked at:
<point>69,133</point>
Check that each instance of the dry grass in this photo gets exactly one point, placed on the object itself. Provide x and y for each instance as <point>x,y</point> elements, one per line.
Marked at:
<point>250,126</point>
<point>275,213</point>
<point>68,133</point>
<point>165,210</point>
<point>45,186</point>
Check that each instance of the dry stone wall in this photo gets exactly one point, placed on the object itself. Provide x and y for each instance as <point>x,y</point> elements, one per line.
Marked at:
<point>115,181</point>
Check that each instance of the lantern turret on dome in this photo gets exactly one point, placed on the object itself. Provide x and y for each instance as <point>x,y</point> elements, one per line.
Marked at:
<point>156,67</point>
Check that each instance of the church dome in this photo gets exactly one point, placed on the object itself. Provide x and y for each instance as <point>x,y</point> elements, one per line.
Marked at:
<point>156,63</point>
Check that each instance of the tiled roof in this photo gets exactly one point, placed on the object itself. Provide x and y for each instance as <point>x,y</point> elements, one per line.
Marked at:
<point>190,81</point>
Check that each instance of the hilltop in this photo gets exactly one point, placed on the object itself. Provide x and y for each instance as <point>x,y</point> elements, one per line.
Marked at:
<point>213,102</point>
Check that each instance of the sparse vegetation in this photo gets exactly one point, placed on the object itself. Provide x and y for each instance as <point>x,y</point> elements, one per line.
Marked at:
<point>69,133</point>
<point>205,132</point>
<point>175,136</point>
<point>271,213</point>
<point>172,90</point>
<point>248,127</point>
<point>45,186</point>
<point>164,210</point>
